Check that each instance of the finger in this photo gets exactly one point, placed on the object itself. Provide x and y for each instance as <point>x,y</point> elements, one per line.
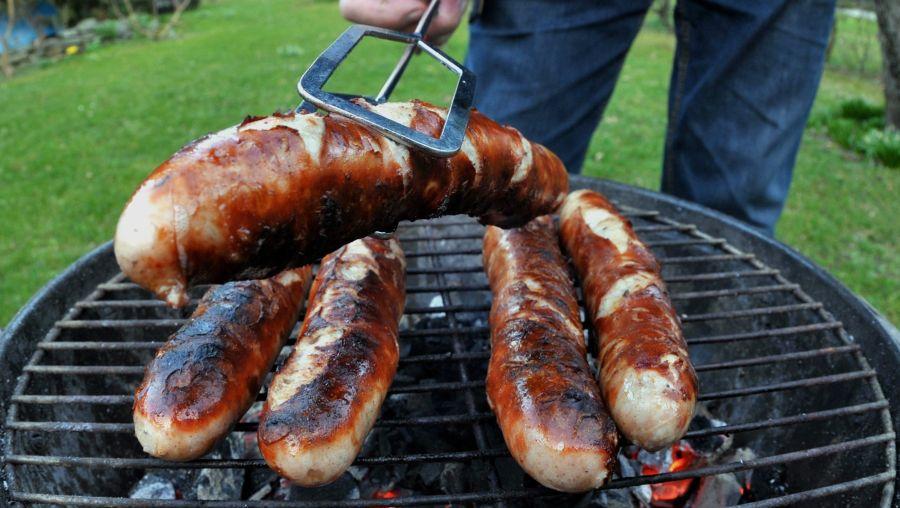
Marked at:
<point>445,22</point>
<point>390,14</point>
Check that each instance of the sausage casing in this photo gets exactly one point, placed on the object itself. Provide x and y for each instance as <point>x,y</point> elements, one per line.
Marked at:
<point>284,190</point>
<point>539,384</point>
<point>646,374</point>
<point>209,372</point>
<point>324,400</point>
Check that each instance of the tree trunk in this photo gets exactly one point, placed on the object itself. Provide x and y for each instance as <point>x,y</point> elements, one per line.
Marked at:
<point>664,11</point>
<point>6,38</point>
<point>179,8</point>
<point>888,12</point>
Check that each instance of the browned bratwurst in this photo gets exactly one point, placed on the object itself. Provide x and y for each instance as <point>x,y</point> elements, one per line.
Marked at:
<point>325,398</point>
<point>539,383</point>
<point>284,190</point>
<point>209,372</point>
<point>648,381</point>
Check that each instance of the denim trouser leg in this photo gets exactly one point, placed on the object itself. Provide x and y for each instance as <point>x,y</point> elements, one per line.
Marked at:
<point>548,67</point>
<point>744,79</point>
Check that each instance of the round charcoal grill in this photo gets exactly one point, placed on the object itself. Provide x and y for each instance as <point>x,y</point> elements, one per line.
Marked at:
<point>793,366</point>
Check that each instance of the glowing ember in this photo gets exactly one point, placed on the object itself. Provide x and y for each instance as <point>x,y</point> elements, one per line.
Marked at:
<point>384,494</point>
<point>682,456</point>
<point>745,488</point>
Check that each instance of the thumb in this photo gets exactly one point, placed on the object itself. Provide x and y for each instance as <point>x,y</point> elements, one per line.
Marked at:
<point>449,14</point>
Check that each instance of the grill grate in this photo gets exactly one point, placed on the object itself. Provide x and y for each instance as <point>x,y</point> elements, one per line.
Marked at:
<point>770,361</point>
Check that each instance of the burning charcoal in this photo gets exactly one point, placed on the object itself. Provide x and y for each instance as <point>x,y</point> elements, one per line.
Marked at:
<point>429,322</point>
<point>772,481</point>
<point>261,483</point>
<point>619,498</point>
<point>357,472</point>
<point>436,301</point>
<point>153,486</point>
<point>181,480</point>
<point>384,478</point>
<point>713,446</point>
<point>715,491</point>
<point>405,347</point>
<point>628,467</point>
<point>262,492</point>
<point>745,478</point>
<point>390,493</point>
<point>343,488</point>
<point>282,490</point>
<point>511,475</point>
<point>429,473</point>
<point>679,457</point>
<point>222,484</point>
<point>453,478</point>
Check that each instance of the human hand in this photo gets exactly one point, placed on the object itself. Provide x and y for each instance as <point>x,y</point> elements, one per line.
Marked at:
<point>402,15</point>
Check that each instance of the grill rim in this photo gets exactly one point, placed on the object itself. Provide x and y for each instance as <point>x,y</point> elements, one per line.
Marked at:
<point>879,340</point>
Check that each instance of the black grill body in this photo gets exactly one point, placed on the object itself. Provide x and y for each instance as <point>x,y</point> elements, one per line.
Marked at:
<point>804,372</point>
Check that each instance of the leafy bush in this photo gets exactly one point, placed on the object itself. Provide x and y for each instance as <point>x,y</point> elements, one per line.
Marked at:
<point>859,126</point>
<point>883,145</point>
<point>107,30</point>
<point>859,109</point>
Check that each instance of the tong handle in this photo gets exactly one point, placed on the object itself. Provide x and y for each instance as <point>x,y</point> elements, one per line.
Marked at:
<point>427,16</point>
<point>419,34</point>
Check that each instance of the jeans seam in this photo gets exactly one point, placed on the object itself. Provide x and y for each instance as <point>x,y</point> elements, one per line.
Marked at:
<point>683,36</point>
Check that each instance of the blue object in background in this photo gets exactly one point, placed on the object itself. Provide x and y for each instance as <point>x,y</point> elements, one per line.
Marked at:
<point>24,33</point>
<point>744,78</point>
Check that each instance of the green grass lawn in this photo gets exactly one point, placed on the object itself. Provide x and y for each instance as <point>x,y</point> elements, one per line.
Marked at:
<point>76,137</point>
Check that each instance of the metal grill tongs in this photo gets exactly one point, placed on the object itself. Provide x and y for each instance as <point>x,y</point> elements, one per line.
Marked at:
<point>313,80</point>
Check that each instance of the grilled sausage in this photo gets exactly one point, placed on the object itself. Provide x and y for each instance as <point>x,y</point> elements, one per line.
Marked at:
<point>284,190</point>
<point>646,374</point>
<point>209,372</point>
<point>539,384</point>
<point>326,397</point>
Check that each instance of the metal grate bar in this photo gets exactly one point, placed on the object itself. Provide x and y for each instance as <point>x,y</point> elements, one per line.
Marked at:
<point>631,213</point>
<point>786,357</point>
<point>427,387</point>
<point>468,308</point>
<point>789,385</point>
<point>762,334</point>
<point>788,420</point>
<point>146,462</point>
<point>152,463</point>
<point>100,345</point>
<point>720,275</point>
<point>128,399</point>
<point>74,399</point>
<point>483,330</point>
<point>700,258</point>
<point>761,311</point>
<point>719,293</point>
<point>240,427</point>
<point>467,385</point>
<point>650,243</point>
<point>830,490</point>
<point>451,252</point>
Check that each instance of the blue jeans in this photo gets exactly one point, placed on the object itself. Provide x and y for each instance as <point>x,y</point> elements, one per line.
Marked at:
<point>743,81</point>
